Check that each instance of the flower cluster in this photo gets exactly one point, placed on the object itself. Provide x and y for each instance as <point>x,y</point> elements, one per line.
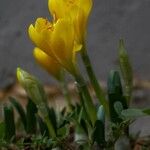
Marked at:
<point>58,41</point>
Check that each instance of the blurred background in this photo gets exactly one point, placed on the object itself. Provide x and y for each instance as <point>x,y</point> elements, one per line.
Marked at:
<point>110,20</point>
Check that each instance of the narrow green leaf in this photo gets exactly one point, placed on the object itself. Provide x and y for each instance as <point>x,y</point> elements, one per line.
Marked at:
<point>115,93</point>
<point>43,127</point>
<point>88,103</point>
<point>9,122</point>
<point>20,110</point>
<point>2,130</point>
<point>114,83</point>
<point>80,114</point>
<point>31,117</point>
<point>52,118</point>
<point>99,133</point>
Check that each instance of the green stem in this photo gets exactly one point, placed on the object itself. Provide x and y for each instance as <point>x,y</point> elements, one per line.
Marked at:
<point>88,104</point>
<point>50,127</point>
<point>65,91</point>
<point>81,96</point>
<point>97,88</point>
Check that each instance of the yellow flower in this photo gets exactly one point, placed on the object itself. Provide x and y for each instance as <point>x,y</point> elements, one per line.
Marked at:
<point>48,63</point>
<point>79,11</point>
<point>57,40</point>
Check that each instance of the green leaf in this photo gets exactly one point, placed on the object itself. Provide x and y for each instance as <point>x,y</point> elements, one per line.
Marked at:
<point>80,135</point>
<point>147,111</point>
<point>31,117</point>
<point>114,83</point>
<point>63,131</point>
<point>118,107</point>
<point>101,114</point>
<point>81,130</point>
<point>2,130</point>
<point>20,110</point>
<point>9,122</point>
<point>85,125</point>
<point>52,117</point>
<point>99,133</point>
<point>80,115</point>
<point>132,113</point>
<point>43,127</point>
<point>82,120</point>
<point>87,100</point>
<point>115,93</point>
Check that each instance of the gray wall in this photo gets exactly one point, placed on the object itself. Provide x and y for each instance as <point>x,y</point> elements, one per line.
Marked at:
<point>110,20</point>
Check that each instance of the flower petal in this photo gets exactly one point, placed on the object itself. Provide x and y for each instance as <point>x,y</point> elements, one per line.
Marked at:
<point>47,62</point>
<point>57,8</point>
<point>39,40</point>
<point>63,39</point>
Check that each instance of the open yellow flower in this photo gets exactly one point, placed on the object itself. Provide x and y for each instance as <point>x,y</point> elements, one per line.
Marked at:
<point>48,63</point>
<point>78,10</point>
<point>57,40</point>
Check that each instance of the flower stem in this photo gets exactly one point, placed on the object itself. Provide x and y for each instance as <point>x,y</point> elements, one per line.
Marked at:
<point>97,88</point>
<point>65,91</point>
<point>87,100</point>
<point>81,96</point>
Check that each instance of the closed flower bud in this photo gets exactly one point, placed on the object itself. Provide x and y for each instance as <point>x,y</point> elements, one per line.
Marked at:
<point>126,69</point>
<point>34,90</point>
<point>36,93</point>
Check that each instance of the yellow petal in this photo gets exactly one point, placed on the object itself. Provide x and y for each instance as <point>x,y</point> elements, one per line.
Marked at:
<point>63,39</point>
<point>78,10</point>
<point>62,8</point>
<point>86,5</point>
<point>42,25</point>
<point>57,8</point>
<point>47,62</point>
<point>38,40</point>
